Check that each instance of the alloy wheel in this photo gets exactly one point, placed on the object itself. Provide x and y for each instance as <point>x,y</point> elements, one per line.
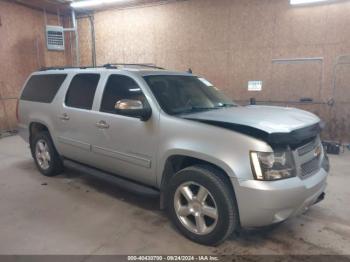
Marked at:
<point>196,208</point>
<point>42,154</point>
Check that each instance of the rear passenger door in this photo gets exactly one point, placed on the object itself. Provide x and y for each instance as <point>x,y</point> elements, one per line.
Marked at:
<point>75,123</point>
<point>126,145</point>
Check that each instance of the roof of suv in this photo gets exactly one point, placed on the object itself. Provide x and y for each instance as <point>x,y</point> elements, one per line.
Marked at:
<point>141,69</point>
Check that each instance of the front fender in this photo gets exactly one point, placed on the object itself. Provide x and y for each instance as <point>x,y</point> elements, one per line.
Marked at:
<point>223,148</point>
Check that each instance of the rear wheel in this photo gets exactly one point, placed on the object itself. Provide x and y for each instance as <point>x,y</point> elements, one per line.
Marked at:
<point>45,155</point>
<point>202,206</point>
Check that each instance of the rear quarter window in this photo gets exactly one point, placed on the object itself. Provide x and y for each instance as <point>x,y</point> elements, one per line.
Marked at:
<point>42,88</point>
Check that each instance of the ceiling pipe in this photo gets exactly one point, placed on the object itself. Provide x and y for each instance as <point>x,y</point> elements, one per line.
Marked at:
<point>93,40</point>
<point>74,29</point>
<point>91,18</point>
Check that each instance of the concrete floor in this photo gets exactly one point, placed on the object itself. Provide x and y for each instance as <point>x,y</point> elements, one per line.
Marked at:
<point>76,214</point>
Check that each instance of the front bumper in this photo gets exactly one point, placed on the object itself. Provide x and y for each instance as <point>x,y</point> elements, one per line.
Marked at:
<point>262,203</point>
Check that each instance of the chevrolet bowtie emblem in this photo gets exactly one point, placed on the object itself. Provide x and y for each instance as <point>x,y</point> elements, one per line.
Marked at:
<point>318,151</point>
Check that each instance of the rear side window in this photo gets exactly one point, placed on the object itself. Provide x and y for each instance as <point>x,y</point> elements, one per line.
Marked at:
<point>82,90</point>
<point>42,88</point>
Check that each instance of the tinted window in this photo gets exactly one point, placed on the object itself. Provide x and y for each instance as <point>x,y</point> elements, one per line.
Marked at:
<point>186,94</point>
<point>120,87</point>
<point>42,88</point>
<point>81,91</point>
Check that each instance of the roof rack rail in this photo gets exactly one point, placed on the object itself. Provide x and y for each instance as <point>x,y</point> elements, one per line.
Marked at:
<point>115,65</point>
<point>67,67</point>
<point>107,66</point>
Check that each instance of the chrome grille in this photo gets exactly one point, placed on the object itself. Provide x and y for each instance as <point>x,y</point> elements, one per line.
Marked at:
<point>307,148</point>
<point>310,167</point>
<point>309,158</point>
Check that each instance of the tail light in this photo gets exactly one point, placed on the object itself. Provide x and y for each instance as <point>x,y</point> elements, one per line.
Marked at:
<point>17,114</point>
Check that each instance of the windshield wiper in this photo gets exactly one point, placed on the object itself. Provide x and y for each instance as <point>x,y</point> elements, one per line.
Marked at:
<point>203,108</point>
<point>226,105</point>
<point>196,109</point>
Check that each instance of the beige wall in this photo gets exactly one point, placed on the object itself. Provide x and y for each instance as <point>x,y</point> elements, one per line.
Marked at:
<point>22,50</point>
<point>228,41</point>
<point>234,41</point>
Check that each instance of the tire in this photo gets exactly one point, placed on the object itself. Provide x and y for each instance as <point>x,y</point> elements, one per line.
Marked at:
<point>219,225</point>
<point>49,164</point>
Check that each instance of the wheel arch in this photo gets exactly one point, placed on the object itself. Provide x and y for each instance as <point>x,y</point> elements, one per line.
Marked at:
<point>36,127</point>
<point>177,162</point>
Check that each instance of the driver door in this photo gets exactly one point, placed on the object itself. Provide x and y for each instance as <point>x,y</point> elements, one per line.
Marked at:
<point>125,145</point>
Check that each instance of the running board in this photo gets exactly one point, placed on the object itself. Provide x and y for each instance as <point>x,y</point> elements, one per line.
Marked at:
<point>118,181</point>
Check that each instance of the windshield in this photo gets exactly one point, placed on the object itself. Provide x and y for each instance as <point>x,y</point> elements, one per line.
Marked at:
<point>186,94</point>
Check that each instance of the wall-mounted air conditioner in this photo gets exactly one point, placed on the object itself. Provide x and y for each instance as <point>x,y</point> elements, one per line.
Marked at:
<point>55,38</point>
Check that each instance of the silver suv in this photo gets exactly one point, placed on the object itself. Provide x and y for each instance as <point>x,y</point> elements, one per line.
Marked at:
<point>216,166</point>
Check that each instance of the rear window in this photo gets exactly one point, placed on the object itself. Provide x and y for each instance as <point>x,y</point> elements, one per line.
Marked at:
<point>42,88</point>
<point>81,91</point>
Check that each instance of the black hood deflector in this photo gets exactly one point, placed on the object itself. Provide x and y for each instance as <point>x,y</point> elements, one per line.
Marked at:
<point>293,139</point>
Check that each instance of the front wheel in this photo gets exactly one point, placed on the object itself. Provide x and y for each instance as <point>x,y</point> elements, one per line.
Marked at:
<point>202,206</point>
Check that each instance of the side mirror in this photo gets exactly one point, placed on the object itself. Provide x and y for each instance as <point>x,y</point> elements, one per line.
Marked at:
<point>133,108</point>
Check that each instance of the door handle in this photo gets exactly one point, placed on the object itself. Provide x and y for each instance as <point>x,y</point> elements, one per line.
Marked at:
<point>64,116</point>
<point>102,125</point>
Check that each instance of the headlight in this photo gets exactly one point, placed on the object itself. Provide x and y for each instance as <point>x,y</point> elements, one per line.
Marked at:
<point>272,166</point>
<point>325,161</point>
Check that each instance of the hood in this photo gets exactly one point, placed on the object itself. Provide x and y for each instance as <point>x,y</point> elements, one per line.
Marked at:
<point>270,123</point>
